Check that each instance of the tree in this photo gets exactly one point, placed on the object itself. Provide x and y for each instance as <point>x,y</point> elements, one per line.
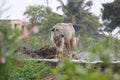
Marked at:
<point>111,14</point>
<point>51,20</point>
<point>91,25</point>
<point>37,14</point>
<point>75,10</point>
<point>44,17</point>
<point>78,13</point>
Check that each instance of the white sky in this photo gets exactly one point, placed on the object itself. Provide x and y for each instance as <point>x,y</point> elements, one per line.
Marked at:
<point>17,7</point>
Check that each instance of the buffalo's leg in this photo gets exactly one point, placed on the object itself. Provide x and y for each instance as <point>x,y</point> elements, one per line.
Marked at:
<point>60,54</point>
<point>68,49</point>
<point>71,47</point>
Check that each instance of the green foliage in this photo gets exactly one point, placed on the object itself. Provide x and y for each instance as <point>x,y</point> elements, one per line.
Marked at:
<point>115,45</point>
<point>78,12</point>
<point>83,43</point>
<point>44,17</point>
<point>5,69</point>
<point>12,69</point>
<point>35,42</point>
<point>29,70</point>
<point>106,45</point>
<point>8,44</point>
<point>111,13</point>
<point>70,71</point>
<point>74,11</point>
<point>8,37</point>
<point>37,14</point>
<point>90,26</point>
<point>50,21</point>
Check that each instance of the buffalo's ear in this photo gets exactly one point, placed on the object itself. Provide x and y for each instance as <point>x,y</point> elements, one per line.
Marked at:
<point>52,29</point>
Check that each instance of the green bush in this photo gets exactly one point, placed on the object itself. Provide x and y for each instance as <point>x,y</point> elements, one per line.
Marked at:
<point>13,69</point>
<point>105,45</point>
<point>68,70</point>
<point>8,38</point>
<point>5,69</point>
<point>29,70</point>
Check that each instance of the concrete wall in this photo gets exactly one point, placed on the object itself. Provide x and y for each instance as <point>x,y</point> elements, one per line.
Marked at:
<point>16,24</point>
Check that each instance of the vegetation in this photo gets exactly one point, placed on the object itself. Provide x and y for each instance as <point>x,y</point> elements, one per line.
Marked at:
<point>74,11</point>
<point>44,17</point>
<point>78,13</point>
<point>70,71</point>
<point>89,40</point>
<point>29,70</point>
<point>111,15</point>
<point>8,44</point>
<point>37,14</point>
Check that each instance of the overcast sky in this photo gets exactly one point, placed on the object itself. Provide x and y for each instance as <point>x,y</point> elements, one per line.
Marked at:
<point>17,7</point>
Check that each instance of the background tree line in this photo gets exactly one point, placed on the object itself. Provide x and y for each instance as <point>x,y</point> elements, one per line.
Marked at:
<point>111,15</point>
<point>75,12</point>
<point>78,13</point>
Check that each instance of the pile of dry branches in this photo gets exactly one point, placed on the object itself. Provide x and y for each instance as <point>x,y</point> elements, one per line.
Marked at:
<point>47,52</point>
